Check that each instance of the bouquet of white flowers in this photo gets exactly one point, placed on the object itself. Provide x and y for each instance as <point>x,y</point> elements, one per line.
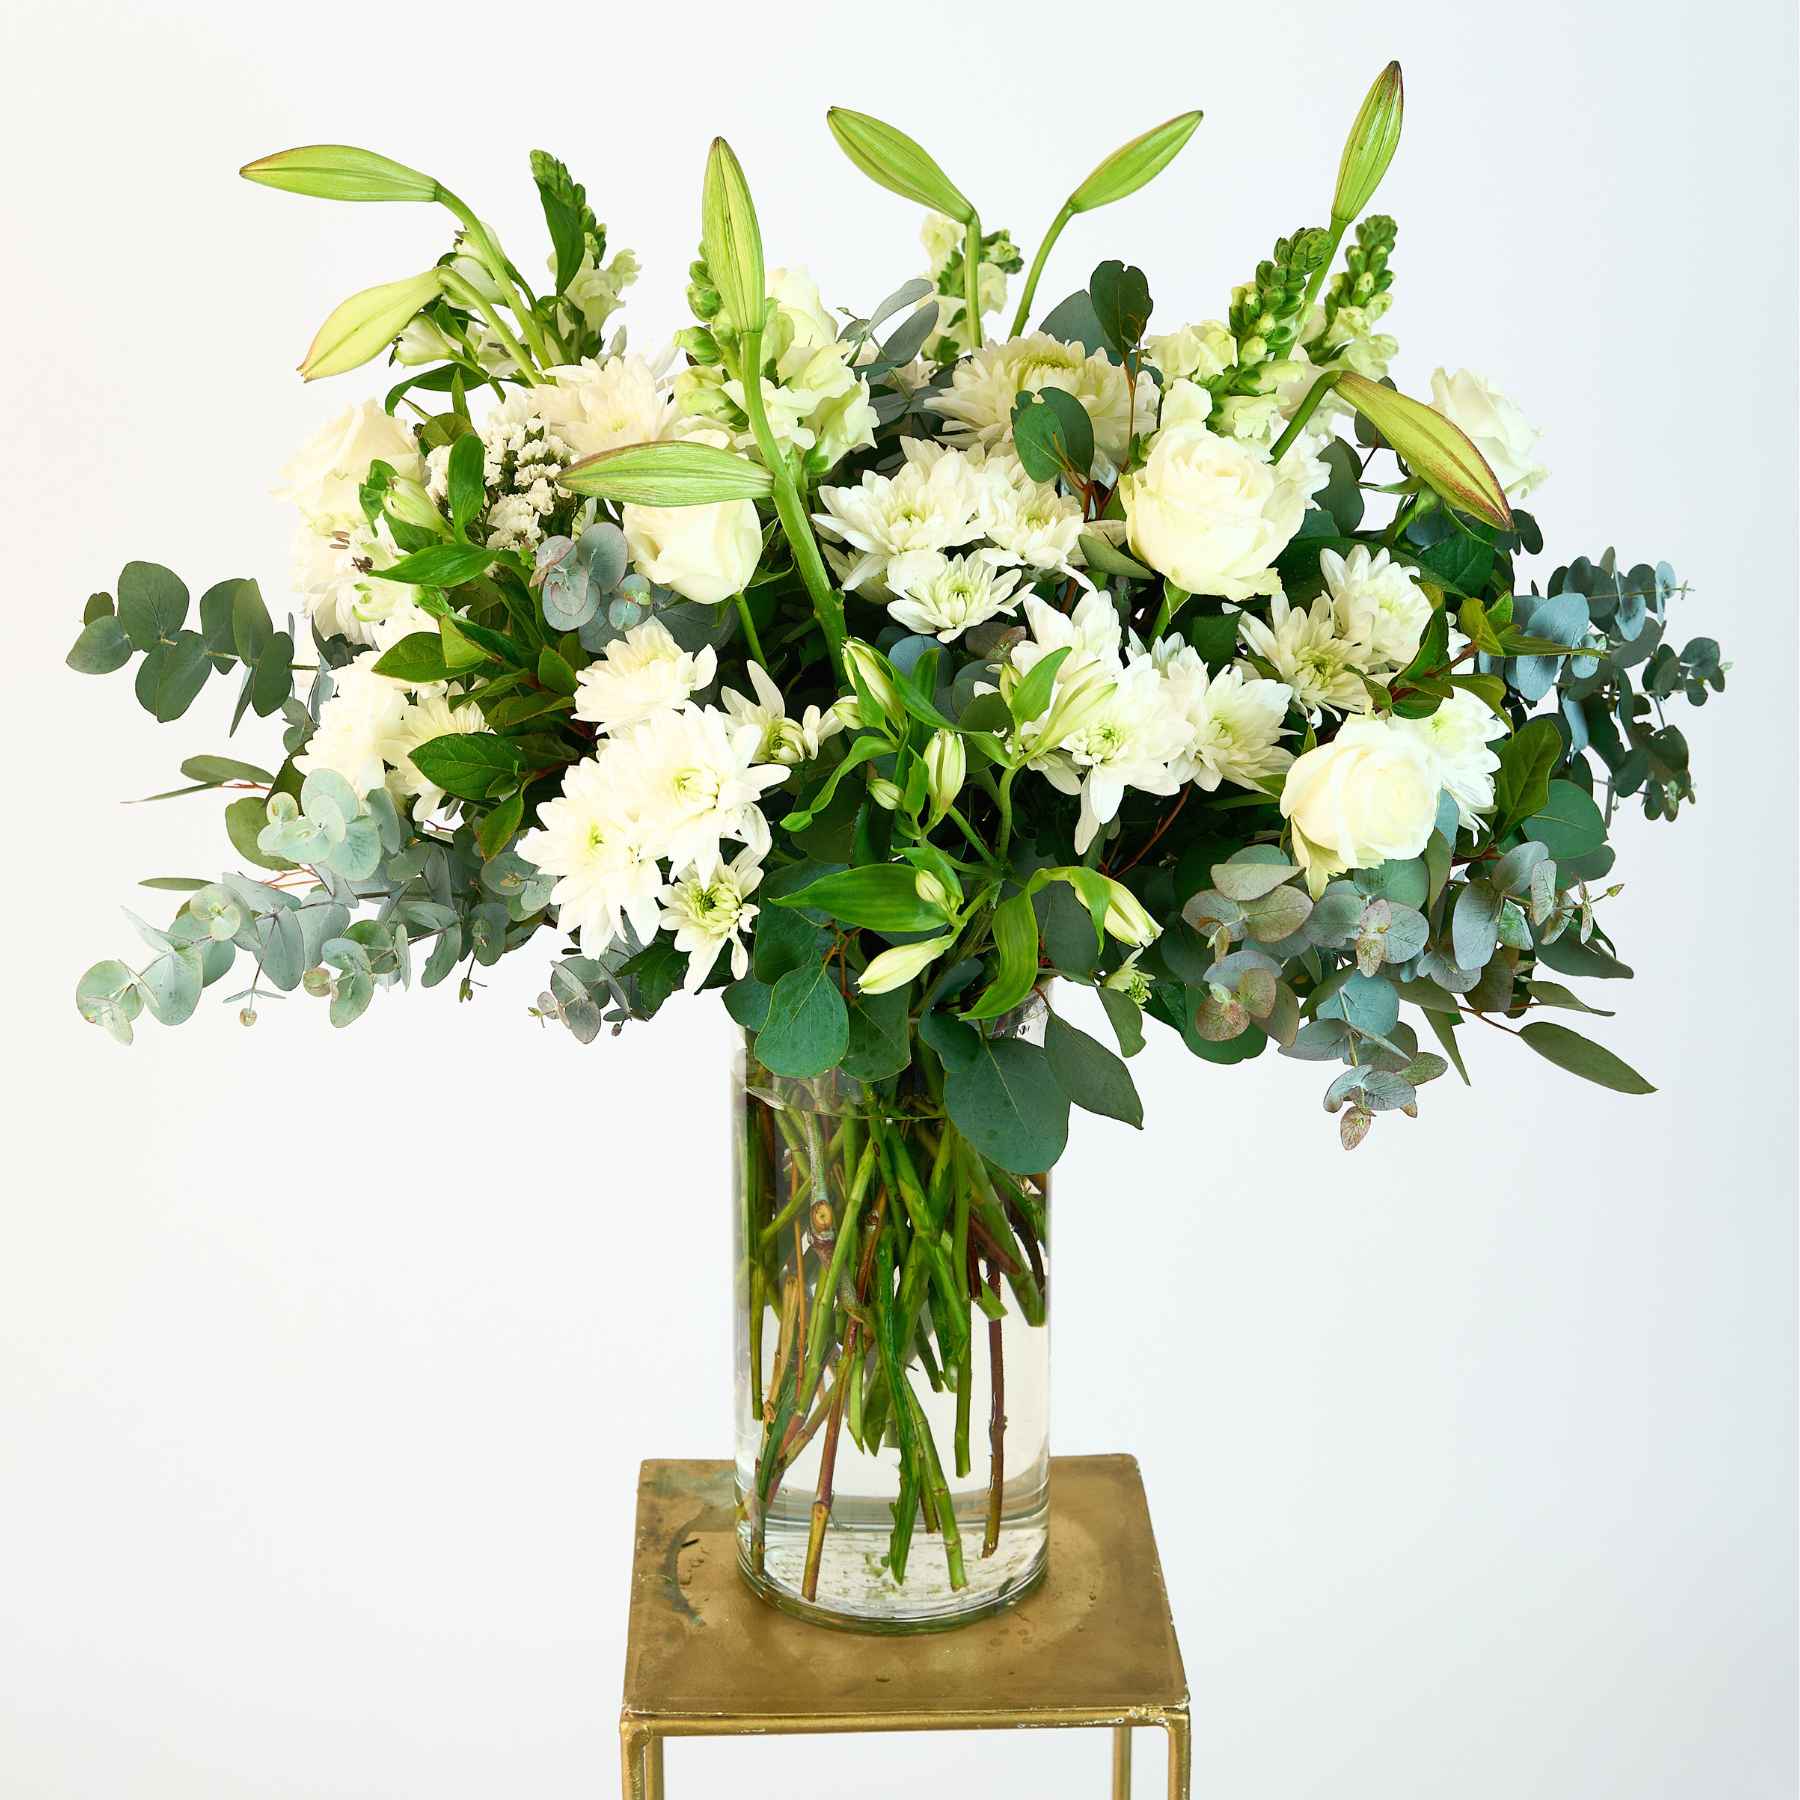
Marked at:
<point>872,671</point>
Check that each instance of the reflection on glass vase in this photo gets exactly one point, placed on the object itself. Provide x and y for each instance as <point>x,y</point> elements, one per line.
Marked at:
<point>892,1351</point>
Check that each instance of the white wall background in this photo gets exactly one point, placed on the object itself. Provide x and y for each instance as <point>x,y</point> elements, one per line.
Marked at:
<point>326,1361</point>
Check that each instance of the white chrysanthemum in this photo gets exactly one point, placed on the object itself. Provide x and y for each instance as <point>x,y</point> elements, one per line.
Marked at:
<point>588,838</point>
<point>333,575</point>
<point>978,405</point>
<point>428,716</point>
<point>945,595</point>
<point>1128,740</point>
<point>1028,522</point>
<point>1378,601</point>
<point>641,673</point>
<point>924,506</point>
<point>781,739</point>
<point>707,912</point>
<point>693,781</point>
<point>1234,719</point>
<point>324,480</point>
<point>1456,739</point>
<point>1194,353</point>
<point>591,406</point>
<point>361,731</point>
<point>1308,649</point>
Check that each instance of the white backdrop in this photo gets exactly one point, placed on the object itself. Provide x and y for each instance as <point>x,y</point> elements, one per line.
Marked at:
<point>326,1361</point>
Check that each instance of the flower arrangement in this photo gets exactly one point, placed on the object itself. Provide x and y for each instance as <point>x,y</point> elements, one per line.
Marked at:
<point>871,670</point>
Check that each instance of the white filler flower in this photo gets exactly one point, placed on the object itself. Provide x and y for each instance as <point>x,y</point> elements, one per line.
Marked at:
<point>708,912</point>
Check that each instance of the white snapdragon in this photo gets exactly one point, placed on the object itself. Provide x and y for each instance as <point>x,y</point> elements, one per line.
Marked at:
<point>978,405</point>
<point>929,504</point>
<point>945,595</point>
<point>782,739</point>
<point>641,673</point>
<point>1368,795</point>
<point>595,291</point>
<point>1456,738</point>
<point>1494,425</point>
<point>1376,601</point>
<point>1308,647</point>
<point>1194,353</point>
<point>1234,719</point>
<point>361,731</point>
<point>709,912</point>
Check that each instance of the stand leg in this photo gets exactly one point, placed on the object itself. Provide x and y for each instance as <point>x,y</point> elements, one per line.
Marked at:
<point>653,1767</point>
<point>634,1757</point>
<point>1121,1782</point>
<point>1181,1755</point>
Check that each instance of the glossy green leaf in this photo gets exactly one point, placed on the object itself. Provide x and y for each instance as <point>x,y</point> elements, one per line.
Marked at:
<point>1089,1073</point>
<point>808,1027</point>
<point>1015,930</point>
<point>1010,1106</point>
<point>883,897</point>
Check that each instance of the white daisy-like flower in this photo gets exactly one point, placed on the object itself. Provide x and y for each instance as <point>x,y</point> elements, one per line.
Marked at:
<point>708,912</point>
<point>1028,522</point>
<point>588,838</point>
<point>944,596</point>
<point>1234,719</point>
<point>1456,739</point>
<point>428,716</point>
<point>361,730</point>
<point>1307,648</point>
<point>782,739</point>
<point>930,504</point>
<point>642,673</point>
<point>978,404</point>
<point>1378,601</point>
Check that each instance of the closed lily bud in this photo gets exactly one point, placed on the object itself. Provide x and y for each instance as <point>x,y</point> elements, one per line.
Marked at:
<point>1126,918</point>
<point>868,668</point>
<point>367,323</point>
<point>408,502</point>
<point>884,793</point>
<point>946,768</point>
<point>933,892</point>
<point>1370,147</point>
<point>896,967</point>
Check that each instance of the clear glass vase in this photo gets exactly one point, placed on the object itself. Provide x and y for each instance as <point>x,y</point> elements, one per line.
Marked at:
<point>879,1255</point>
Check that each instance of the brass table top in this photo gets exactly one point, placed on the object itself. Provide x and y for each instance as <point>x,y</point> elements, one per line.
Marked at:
<point>1094,1645</point>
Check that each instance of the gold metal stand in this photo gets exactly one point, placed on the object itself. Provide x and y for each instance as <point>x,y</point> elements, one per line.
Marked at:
<point>1094,1646</point>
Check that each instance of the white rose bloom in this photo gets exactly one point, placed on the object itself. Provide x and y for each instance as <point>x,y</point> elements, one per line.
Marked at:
<point>333,577</point>
<point>430,715</point>
<point>1210,513</point>
<point>1368,795</point>
<point>588,838</point>
<point>361,731</point>
<point>707,912</point>
<point>325,478</point>
<point>705,553</point>
<point>1309,649</point>
<point>1128,740</point>
<point>1377,602</point>
<point>1234,719</point>
<point>945,595</point>
<point>782,739</point>
<point>1194,353</point>
<point>592,406</point>
<point>1028,522</point>
<point>930,504</point>
<point>1456,739</point>
<point>978,404</point>
<point>693,780</point>
<point>641,673</point>
<point>1494,425</point>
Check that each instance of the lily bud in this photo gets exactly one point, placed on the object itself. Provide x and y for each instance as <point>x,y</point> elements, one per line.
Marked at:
<point>933,892</point>
<point>1073,705</point>
<point>884,793</point>
<point>340,172</point>
<point>408,503</point>
<point>869,671</point>
<point>732,239</point>
<point>477,274</point>
<point>1370,147</point>
<point>898,163</point>
<point>896,967</point>
<point>1126,918</point>
<point>367,323</point>
<point>946,768</point>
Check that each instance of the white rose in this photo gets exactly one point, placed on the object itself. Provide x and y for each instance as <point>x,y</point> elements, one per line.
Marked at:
<point>705,553</point>
<point>1209,513</point>
<point>1456,739</point>
<point>593,406</point>
<point>1495,426</point>
<point>1369,795</point>
<point>326,475</point>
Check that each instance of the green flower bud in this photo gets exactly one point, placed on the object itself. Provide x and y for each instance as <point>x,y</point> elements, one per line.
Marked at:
<point>1370,147</point>
<point>408,503</point>
<point>699,344</point>
<point>946,768</point>
<point>873,679</point>
<point>933,892</point>
<point>896,967</point>
<point>1126,918</point>
<point>884,793</point>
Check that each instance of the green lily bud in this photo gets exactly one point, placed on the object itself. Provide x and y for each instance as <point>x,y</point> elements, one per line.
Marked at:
<point>884,793</point>
<point>477,274</point>
<point>731,238</point>
<point>933,892</point>
<point>896,162</point>
<point>367,323</point>
<point>1132,165</point>
<point>1126,918</point>
<point>946,768</point>
<point>873,679</point>
<point>408,502</point>
<point>896,967</point>
<point>1370,147</point>
<point>1434,449</point>
<point>669,473</point>
<point>340,172</point>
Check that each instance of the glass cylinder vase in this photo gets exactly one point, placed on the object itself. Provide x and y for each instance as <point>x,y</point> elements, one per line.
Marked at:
<point>892,1354</point>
